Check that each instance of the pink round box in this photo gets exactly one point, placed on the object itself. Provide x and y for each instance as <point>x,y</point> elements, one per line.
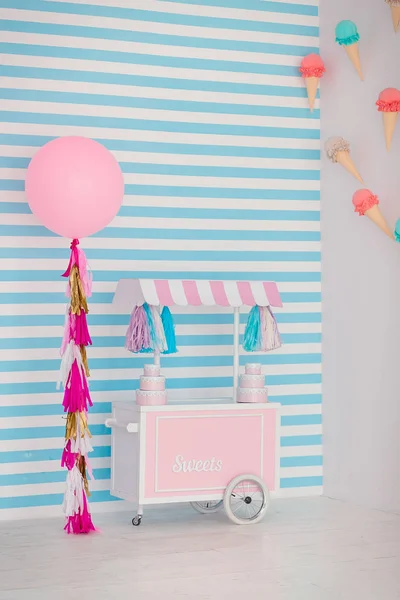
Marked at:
<point>146,398</point>
<point>252,395</point>
<point>252,381</point>
<point>252,369</point>
<point>152,384</point>
<point>151,370</point>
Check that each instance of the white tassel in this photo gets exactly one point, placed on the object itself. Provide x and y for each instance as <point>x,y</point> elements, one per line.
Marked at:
<point>81,445</point>
<point>66,331</point>
<point>160,334</point>
<point>71,353</point>
<point>271,339</point>
<point>73,497</point>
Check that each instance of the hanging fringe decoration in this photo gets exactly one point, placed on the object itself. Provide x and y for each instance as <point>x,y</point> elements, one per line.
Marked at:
<point>261,333</point>
<point>73,376</point>
<point>145,331</point>
<point>169,330</point>
<point>252,333</point>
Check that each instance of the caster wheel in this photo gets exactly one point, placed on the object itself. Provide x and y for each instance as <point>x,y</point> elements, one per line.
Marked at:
<point>246,499</point>
<point>137,520</point>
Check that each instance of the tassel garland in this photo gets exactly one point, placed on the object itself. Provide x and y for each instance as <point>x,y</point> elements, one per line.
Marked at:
<point>73,375</point>
<point>261,333</point>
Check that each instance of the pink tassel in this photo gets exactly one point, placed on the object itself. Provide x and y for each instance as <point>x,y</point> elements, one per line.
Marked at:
<point>89,468</point>
<point>79,331</point>
<point>73,259</point>
<point>76,395</point>
<point>68,458</point>
<point>67,332</point>
<point>84,273</point>
<point>78,257</point>
<point>138,334</point>
<point>80,522</point>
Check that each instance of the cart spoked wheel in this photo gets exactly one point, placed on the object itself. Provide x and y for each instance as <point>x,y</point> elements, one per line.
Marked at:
<point>246,499</point>
<point>207,506</point>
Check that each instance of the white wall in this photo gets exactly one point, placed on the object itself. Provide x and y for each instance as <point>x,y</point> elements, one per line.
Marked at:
<point>361,279</point>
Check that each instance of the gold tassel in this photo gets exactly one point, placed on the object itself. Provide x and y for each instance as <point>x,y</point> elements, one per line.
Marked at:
<point>82,470</point>
<point>85,361</point>
<point>84,425</point>
<point>78,298</point>
<point>70,428</point>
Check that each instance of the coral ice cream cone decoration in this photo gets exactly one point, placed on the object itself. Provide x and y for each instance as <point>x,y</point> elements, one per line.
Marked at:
<point>312,69</point>
<point>395,10</point>
<point>348,37</point>
<point>365,203</point>
<point>338,151</point>
<point>389,105</point>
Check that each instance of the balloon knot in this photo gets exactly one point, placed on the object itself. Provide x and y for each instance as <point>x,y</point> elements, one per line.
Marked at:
<point>74,244</point>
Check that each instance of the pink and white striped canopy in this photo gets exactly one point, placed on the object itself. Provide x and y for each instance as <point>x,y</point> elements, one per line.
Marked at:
<point>167,292</point>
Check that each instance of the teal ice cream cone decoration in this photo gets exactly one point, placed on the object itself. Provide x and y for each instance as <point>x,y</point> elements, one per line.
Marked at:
<point>347,33</point>
<point>396,232</point>
<point>347,36</point>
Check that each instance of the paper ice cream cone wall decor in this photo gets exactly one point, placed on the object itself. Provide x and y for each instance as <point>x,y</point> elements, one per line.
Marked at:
<point>395,10</point>
<point>365,203</point>
<point>338,151</point>
<point>312,68</point>
<point>388,104</point>
<point>397,231</point>
<point>348,37</point>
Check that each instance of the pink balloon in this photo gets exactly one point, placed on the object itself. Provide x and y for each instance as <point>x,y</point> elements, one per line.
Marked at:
<point>74,186</point>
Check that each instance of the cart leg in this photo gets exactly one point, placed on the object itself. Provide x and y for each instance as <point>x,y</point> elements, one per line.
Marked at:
<point>138,518</point>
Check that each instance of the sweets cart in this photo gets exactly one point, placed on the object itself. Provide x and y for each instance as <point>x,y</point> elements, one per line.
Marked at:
<point>211,453</point>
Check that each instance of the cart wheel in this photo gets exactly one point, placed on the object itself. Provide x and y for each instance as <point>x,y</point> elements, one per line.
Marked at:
<point>137,520</point>
<point>207,506</point>
<point>246,499</point>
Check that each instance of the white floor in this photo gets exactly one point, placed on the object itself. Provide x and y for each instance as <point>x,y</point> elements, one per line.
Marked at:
<point>307,549</point>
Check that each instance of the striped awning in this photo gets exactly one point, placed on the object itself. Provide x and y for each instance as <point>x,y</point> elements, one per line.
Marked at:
<point>167,292</point>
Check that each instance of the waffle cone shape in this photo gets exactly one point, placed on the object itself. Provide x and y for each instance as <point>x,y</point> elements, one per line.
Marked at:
<point>344,159</point>
<point>376,217</point>
<point>389,125</point>
<point>395,17</point>
<point>312,84</point>
<point>354,56</point>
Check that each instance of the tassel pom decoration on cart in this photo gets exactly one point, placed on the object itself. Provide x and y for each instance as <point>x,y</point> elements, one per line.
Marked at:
<point>73,376</point>
<point>169,331</point>
<point>145,332</point>
<point>261,333</point>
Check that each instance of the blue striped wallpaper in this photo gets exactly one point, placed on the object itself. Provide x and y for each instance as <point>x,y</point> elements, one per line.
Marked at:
<point>201,103</point>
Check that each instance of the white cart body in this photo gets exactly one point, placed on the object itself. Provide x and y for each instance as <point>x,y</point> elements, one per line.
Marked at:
<point>191,452</point>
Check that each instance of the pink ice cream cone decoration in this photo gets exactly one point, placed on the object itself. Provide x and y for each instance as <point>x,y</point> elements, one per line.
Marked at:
<point>366,203</point>
<point>388,104</point>
<point>312,69</point>
<point>338,151</point>
<point>395,10</point>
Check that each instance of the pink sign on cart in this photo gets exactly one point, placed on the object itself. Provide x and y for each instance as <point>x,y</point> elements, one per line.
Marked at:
<point>202,451</point>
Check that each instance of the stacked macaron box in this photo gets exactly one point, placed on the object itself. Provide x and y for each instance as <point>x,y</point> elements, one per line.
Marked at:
<point>252,385</point>
<point>152,387</point>
<point>152,390</point>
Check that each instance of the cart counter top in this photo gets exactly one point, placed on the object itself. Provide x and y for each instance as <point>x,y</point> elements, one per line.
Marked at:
<point>199,404</point>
